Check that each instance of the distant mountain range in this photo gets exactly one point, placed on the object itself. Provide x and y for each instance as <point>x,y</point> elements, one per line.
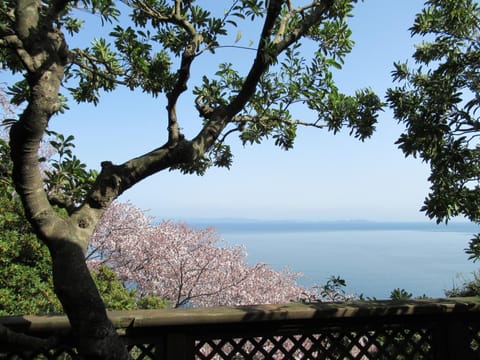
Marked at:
<point>252,225</point>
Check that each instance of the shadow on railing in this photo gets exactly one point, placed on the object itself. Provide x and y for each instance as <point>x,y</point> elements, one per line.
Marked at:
<point>419,329</point>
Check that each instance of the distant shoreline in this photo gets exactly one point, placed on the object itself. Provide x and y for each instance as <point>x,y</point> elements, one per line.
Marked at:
<point>373,257</point>
<point>247,225</point>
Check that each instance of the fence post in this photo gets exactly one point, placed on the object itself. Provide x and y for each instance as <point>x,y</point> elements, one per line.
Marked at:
<point>452,340</point>
<point>459,340</point>
<point>179,346</point>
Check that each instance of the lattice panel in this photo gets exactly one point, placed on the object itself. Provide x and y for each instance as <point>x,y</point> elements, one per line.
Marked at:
<point>137,352</point>
<point>386,344</point>
<point>142,352</point>
<point>474,332</point>
<point>404,344</point>
<point>53,354</point>
<point>397,343</point>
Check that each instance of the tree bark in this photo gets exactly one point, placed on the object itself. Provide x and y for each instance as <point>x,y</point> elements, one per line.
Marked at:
<point>44,55</point>
<point>42,50</point>
<point>93,333</point>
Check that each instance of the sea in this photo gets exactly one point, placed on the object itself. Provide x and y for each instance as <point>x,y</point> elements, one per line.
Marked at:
<point>373,258</point>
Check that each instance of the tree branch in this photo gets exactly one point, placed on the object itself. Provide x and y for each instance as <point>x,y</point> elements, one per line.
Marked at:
<point>318,10</point>
<point>15,43</point>
<point>141,5</point>
<point>267,52</point>
<point>113,180</point>
<point>262,60</point>
<point>218,118</point>
<point>183,74</point>
<point>260,119</point>
<point>291,13</point>
<point>76,54</point>
<point>223,286</point>
<point>27,17</point>
<point>44,61</point>
<point>62,201</point>
<point>56,8</point>
<point>12,339</point>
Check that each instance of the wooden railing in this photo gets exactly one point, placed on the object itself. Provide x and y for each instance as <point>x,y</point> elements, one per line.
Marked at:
<point>420,329</point>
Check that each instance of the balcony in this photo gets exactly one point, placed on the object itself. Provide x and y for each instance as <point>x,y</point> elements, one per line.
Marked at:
<point>418,329</point>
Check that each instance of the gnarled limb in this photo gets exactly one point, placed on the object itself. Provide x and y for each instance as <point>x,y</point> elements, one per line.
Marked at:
<point>16,340</point>
<point>66,238</point>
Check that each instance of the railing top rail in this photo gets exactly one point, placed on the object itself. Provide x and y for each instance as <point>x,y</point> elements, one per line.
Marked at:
<point>256,313</point>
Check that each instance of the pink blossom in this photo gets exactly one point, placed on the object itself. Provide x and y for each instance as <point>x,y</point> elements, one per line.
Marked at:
<point>185,265</point>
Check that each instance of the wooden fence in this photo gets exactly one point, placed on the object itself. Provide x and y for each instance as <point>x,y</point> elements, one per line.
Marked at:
<point>420,329</point>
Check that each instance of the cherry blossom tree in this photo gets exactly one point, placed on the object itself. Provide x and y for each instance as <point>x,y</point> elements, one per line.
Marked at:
<point>152,46</point>
<point>7,109</point>
<point>185,265</point>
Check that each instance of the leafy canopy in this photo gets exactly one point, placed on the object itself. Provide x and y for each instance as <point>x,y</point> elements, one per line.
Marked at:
<point>438,101</point>
<point>154,52</point>
<point>26,285</point>
<point>25,270</point>
<point>151,47</point>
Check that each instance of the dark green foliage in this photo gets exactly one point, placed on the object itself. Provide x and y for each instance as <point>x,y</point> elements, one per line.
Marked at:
<point>67,179</point>
<point>117,297</point>
<point>25,268</point>
<point>332,290</point>
<point>152,49</point>
<point>468,288</point>
<point>438,101</point>
<point>400,295</point>
<point>151,54</point>
<point>26,285</point>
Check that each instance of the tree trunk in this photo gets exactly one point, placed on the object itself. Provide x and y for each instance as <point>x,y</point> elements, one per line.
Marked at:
<point>93,333</point>
<point>41,48</point>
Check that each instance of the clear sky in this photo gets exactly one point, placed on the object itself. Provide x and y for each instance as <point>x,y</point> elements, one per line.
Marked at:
<point>325,177</point>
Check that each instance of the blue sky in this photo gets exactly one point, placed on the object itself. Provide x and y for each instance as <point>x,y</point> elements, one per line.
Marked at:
<point>325,177</point>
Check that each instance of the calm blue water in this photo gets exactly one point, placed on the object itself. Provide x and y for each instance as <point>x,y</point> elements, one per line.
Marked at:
<point>374,258</point>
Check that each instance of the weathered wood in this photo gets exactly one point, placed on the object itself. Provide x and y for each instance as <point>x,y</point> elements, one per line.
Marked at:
<point>291,311</point>
<point>443,328</point>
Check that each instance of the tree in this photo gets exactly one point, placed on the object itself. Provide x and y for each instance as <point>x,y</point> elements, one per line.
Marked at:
<point>398,294</point>
<point>25,269</point>
<point>438,101</point>
<point>26,285</point>
<point>187,266</point>
<point>6,108</point>
<point>155,53</point>
<point>468,288</point>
